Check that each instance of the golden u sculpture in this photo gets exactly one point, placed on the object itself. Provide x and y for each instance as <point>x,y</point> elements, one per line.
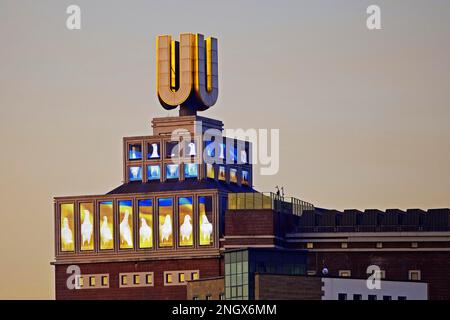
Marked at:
<point>187,72</point>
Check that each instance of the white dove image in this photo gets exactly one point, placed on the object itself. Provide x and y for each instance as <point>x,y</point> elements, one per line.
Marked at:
<point>166,228</point>
<point>145,231</point>
<point>125,230</point>
<point>66,233</point>
<point>191,149</point>
<point>105,231</point>
<point>186,228</point>
<point>155,151</point>
<point>86,228</point>
<point>205,228</point>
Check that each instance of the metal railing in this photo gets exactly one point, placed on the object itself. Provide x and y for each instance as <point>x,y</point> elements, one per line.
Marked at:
<point>267,200</point>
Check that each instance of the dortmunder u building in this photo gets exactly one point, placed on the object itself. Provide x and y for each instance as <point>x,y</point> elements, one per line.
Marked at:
<point>187,223</point>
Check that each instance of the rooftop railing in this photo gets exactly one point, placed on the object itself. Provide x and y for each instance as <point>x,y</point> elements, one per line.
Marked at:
<point>267,200</point>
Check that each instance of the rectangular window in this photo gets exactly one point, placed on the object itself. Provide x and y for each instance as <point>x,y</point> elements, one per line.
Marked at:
<point>106,225</point>
<point>172,171</point>
<point>153,172</point>
<point>414,245</point>
<point>92,281</point>
<point>168,278</point>
<point>345,273</point>
<point>185,219</point>
<point>386,298</point>
<point>210,172</point>
<point>414,275</point>
<point>165,216</point>
<point>344,245</point>
<point>172,149</point>
<point>245,178</point>
<point>402,298</point>
<point>357,297</point>
<point>105,281</point>
<point>80,281</point>
<point>149,278</point>
<point>195,298</point>
<point>342,296</point>
<point>181,277</point>
<point>379,245</point>
<point>190,170</point>
<point>135,173</point>
<point>135,151</point>
<point>124,280</point>
<point>372,297</point>
<point>87,226</point>
<point>126,224</point>
<point>145,223</point>
<point>222,176</point>
<point>205,220</point>
<point>233,176</point>
<point>136,279</point>
<point>311,272</point>
<point>222,296</point>
<point>67,227</point>
<point>194,276</point>
<point>153,151</point>
<point>208,297</point>
<point>190,149</point>
<point>309,245</point>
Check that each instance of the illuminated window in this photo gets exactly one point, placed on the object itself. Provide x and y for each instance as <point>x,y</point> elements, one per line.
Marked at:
<point>311,272</point>
<point>190,149</point>
<point>135,151</point>
<point>106,225</point>
<point>165,223</point>
<point>345,273</point>
<point>245,178</point>
<point>92,281</point>
<point>145,223</point>
<point>414,245</point>
<point>233,176</point>
<point>194,276</point>
<point>190,170</point>
<point>414,275</point>
<point>87,226</point>
<point>309,245</point>
<point>136,279</point>
<point>126,224</point>
<point>168,278</point>
<point>124,279</point>
<point>172,171</point>
<point>67,227</point>
<point>185,216</point>
<point>149,279</point>
<point>153,151</point>
<point>80,281</point>
<point>135,173</point>
<point>379,245</point>
<point>154,172</point>
<point>382,274</point>
<point>222,176</point>
<point>105,281</point>
<point>344,245</point>
<point>210,174</point>
<point>181,277</point>
<point>205,220</point>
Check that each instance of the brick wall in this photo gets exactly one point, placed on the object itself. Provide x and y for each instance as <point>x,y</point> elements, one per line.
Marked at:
<point>282,287</point>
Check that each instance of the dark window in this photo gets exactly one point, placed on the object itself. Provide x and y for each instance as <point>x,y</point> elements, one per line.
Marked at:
<point>387,298</point>
<point>222,296</point>
<point>208,297</point>
<point>357,297</point>
<point>402,298</point>
<point>342,296</point>
<point>372,297</point>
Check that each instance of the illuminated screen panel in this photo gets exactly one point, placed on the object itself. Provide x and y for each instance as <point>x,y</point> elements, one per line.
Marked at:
<point>222,176</point>
<point>185,221</point>
<point>145,223</point>
<point>172,171</point>
<point>153,172</point>
<point>135,173</point>
<point>233,175</point>
<point>190,170</point>
<point>126,224</point>
<point>153,150</point>
<point>210,171</point>
<point>244,178</point>
<point>67,227</point>
<point>87,226</point>
<point>165,217</point>
<point>205,220</point>
<point>135,151</point>
<point>106,225</point>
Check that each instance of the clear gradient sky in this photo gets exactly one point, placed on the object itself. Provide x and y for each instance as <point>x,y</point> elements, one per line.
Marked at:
<point>364,115</point>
